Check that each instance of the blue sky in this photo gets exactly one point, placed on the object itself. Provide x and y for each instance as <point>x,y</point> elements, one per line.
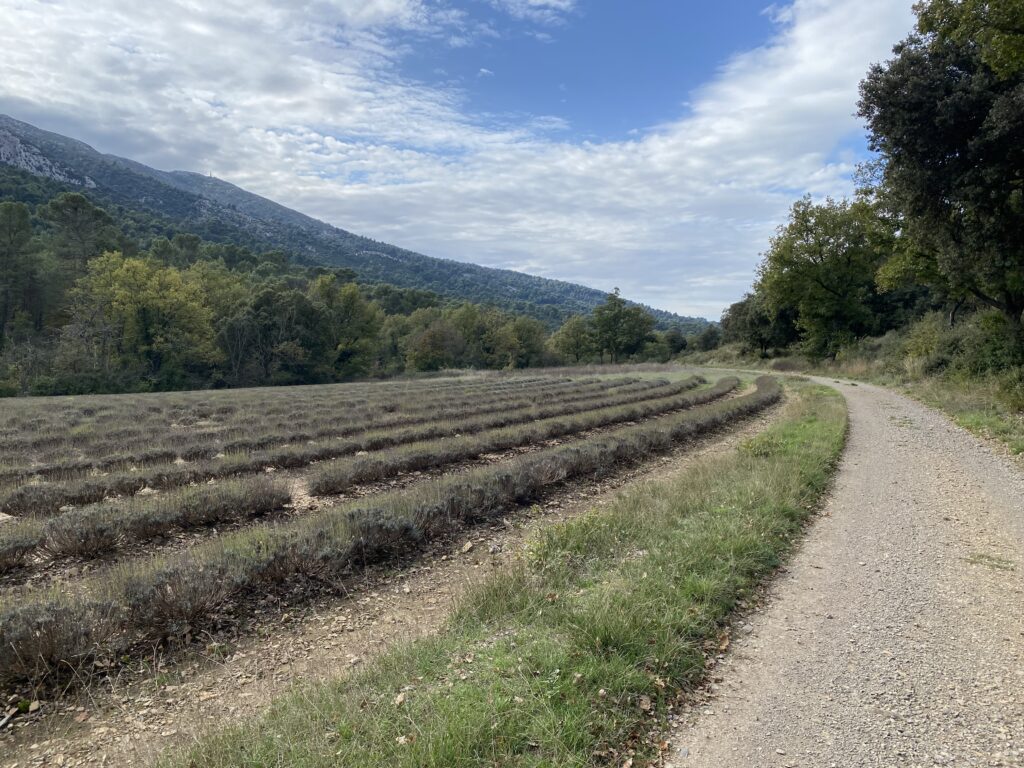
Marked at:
<point>609,69</point>
<point>652,145</point>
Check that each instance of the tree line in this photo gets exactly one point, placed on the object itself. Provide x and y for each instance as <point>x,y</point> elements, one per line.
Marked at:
<point>85,308</point>
<point>937,223</point>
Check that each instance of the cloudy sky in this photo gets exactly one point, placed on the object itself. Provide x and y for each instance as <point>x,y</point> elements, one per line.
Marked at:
<point>652,145</point>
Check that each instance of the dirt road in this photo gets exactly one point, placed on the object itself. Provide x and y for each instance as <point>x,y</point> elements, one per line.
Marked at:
<point>896,635</point>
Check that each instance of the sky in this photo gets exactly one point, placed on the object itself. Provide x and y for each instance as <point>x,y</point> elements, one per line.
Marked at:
<point>650,145</point>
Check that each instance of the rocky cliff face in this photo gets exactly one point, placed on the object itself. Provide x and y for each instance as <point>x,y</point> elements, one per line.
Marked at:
<point>26,157</point>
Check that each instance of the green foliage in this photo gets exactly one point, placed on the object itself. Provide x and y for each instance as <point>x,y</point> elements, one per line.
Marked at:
<point>182,312</point>
<point>950,132</point>
<point>821,267</point>
<point>81,230</point>
<point>157,206</point>
<point>758,326</point>
<point>620,330</point>
<point>574,341</point>
<point>996,27</point>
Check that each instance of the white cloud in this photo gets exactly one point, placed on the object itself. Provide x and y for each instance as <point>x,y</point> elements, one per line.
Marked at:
<point>540,11</point>
<point>484,72</point>
<point>293,100</point>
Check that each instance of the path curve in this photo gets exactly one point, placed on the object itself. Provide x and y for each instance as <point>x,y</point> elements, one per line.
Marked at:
<point>895,637</point>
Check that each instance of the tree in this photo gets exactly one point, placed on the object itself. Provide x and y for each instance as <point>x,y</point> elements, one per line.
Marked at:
<point>16,271</point>
<point>608,319</point>
<point>352,324</point>
<point>150,314</point>
<point>438,346</point>
<point>758,326</point>
<point>289,338</point>
<point>821,266</point>
<point>708,339</point>
<point>996,27</point>
<point>574,340</point>
<point>528,335</point>
<point>636,330</point>
<point>950,131</point>
<point>621,330</point>
<point>675,339</point>
<point>82,230</point>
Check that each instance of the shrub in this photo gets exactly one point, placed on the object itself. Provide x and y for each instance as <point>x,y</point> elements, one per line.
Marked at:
<point>209,504</point>
<point>169,598</point>
<point>18,540</point>
<point>83,533</point>
<point>52,636</point>
<point>1011,389</point>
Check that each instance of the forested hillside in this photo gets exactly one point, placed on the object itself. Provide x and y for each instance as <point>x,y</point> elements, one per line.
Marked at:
<point>156,202</point>
<point>97,300</point>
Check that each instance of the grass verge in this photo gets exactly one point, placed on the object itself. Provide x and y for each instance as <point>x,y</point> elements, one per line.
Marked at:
<point>574,655</point>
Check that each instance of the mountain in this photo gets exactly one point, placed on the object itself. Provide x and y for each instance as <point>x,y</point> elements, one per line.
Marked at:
<point>221,212</point>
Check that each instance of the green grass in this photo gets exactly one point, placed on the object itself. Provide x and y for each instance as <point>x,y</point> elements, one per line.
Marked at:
<point>975,406</point>
<point>571,656</point>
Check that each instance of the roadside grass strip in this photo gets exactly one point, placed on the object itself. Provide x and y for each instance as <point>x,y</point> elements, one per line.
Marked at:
<point>575,654</point>
<point>48,633</point>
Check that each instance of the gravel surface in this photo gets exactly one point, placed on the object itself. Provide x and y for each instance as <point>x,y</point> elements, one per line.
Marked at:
<point>895,637</point>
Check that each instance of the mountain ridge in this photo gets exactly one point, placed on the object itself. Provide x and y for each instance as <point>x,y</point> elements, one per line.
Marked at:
<point>220,211</point>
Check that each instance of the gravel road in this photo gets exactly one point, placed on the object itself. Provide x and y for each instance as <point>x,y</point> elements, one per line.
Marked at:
<point>895,637</point>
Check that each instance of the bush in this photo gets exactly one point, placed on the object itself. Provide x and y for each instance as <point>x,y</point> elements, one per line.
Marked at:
<point>51,637</point>
<point>1011,389</point>
<point>169,598</point>
<point>18,540</point>
<point>83,533</point>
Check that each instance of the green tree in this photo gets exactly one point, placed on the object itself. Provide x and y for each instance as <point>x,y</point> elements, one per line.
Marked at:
<point>995,27</point>
<point>438,346</point>
<point>608,319</point>
<point>574,340</point>
<point>289,341</point>
<point>708,339</point>
<point>950,132</point>
<point>523,342</point>
<point>148,314</point>
<point>757,326</point>
<point>81,230</point>
<point>821,265</point>
<point>17,271</point>
<point>675,339</point>
<point>621,330</point>
<point>353,324</point>
<point>636,330</point>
